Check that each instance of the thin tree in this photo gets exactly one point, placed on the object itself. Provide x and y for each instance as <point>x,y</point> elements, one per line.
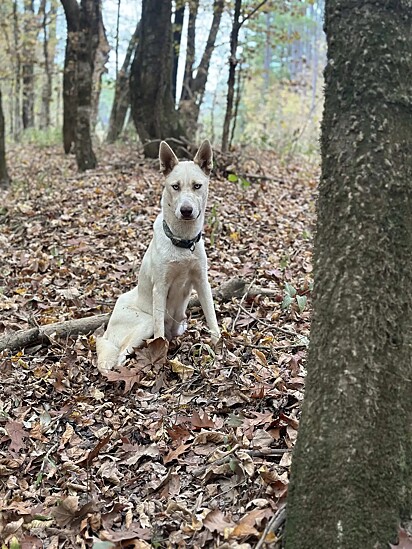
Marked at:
<point>4,175</point>
<point>352,466</point>
<point>177,38</point>
<point>233,62</point>
<point>121,101</point>
<point>194,87</point>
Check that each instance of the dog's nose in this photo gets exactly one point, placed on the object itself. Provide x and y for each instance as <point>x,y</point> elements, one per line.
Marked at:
<point>186,212</point>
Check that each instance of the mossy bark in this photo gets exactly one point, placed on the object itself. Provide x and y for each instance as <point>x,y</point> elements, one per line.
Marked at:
<point>352,467</point>
<point>152,103</point>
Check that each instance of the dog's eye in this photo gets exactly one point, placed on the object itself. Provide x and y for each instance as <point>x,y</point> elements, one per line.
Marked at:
<point>176,187</point>
<point>197,186</point>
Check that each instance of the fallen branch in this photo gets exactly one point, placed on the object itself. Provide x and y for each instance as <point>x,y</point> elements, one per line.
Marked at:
<point>13,341</point>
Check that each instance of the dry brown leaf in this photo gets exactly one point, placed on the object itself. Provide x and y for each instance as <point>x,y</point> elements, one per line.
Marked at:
<point>216,521</point>
<point>201,422</point>
<point>16,432</point>
<point>174,454</point>
<point>130,376</point>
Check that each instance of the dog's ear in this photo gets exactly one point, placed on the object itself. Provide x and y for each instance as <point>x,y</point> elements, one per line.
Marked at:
<point>204,157</point>
<point>167,158</point>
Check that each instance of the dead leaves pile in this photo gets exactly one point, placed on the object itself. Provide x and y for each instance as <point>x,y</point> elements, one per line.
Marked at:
<point>185,446</point>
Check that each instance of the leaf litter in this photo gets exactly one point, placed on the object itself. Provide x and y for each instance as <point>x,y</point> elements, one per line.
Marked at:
<point>183,446</point>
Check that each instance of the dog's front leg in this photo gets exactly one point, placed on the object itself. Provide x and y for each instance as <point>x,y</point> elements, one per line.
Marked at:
<point>159,308</point>
<point>204,293</point>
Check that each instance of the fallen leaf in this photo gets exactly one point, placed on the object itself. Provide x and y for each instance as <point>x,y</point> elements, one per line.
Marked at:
<point>174,454</point>
<point>216,521</point>
<point>130,376</point>
<point>201,422</point>
<point>16,432</point>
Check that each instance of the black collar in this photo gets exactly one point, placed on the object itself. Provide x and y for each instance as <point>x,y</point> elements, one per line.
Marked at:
<point>181,242</point>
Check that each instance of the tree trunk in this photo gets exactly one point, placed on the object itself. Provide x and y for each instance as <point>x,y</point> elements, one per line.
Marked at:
<point>100,59</point>
<point>194,87</point>
<point>352,466</point>
<point>30,36</point>
<point>121,99</point>
<point>72,12</point>
<point>152,102</point>
<point>177,38</point>
<point>234,39</point>
<point>4,176</point>
<point>49,41</point>
<point>88,43</point>
<point>17,74</point>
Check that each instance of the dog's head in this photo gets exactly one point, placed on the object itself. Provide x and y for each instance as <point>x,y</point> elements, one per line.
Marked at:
<point>187,182</point>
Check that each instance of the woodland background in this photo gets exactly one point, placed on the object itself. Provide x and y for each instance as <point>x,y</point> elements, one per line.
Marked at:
<point>277,83</point>
<point>190,446</point>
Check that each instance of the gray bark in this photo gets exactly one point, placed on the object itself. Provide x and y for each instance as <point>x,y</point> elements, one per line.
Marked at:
<point>4,175</point>
<point>352,467</point>
<point>152,102</point>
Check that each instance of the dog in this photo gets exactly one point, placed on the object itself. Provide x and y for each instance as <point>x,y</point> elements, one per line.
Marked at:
<point>174,263</point>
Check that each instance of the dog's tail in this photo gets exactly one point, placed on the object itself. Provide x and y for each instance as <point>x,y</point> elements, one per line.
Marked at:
<point>107,355</point>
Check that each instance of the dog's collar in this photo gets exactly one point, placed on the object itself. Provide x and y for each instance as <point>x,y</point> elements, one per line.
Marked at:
<point>181,242</point>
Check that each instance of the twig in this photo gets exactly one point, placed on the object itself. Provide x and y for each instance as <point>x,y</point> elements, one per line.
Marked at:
<point>275,523</point>
<point>200,470</point>
<point>271,452</point>
<point>266,323</point>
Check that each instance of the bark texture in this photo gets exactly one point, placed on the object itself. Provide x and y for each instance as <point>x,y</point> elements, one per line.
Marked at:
<point>352,470</point>
<point>4,175</point>
<point>88,42</point>
<point>100,58</point>
<point>72,13</point>
<point>152,101</point>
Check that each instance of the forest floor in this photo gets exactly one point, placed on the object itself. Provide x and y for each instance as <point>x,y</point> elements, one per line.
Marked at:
<point>189,451</point>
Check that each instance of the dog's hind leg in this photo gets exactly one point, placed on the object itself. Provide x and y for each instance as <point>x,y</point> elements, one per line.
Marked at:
<point>142,330</point>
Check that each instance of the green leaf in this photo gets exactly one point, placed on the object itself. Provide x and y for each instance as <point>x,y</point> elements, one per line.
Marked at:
<point>301,300</point>
<point>287,300</point>
<point>232,177</point>
<point>244,183</point>
<point>290,290</point>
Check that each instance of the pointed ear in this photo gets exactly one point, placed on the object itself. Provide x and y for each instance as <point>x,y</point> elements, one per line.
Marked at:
<point>167,158</point>
<point>204,157</point>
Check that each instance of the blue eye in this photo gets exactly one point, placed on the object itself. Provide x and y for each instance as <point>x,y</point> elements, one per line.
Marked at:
<point>176,186</point>
<point>197,186</point>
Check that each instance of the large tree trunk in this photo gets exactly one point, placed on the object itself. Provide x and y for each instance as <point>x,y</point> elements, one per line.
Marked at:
<point>121,101</point>
<point>88,43</point>
<point>352,467</point>
<point>194,87</point>
<point>72,12</point>
<point>152,102</point>
<point>4,176</point>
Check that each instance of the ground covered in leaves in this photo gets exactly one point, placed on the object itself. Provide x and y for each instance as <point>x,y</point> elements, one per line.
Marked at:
<point>188,450</point>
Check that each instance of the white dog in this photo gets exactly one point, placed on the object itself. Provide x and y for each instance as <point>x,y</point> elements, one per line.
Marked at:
<point>174,263</point>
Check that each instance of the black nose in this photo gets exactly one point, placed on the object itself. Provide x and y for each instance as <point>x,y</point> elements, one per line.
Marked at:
<point>186,212</point>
